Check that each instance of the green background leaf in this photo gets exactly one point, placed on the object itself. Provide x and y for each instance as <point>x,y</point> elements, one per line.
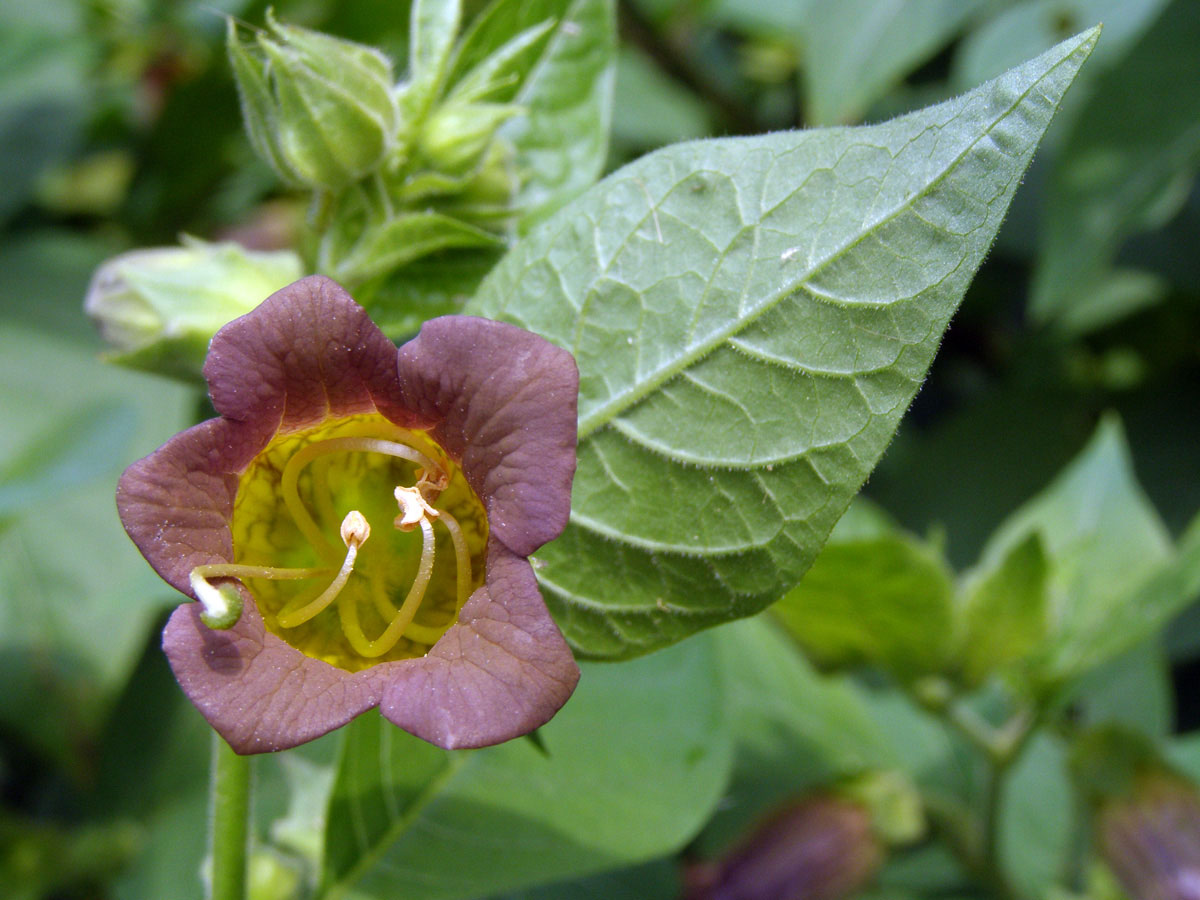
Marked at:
<point>751,318</point>
<point>1103,540</point>
<point>562,139</point>
<point>885,601</point>
<point>856,50</point>
<point>633,767</point>
<point>1004,611</point>
<point>1127,166</point>
<point>68,573</point>
<point>795,729</point>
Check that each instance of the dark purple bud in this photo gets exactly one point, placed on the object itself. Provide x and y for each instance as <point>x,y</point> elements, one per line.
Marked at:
<point>822,847</point>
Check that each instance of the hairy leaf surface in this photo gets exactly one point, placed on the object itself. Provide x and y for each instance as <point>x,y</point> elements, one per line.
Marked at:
<point>751,319</point>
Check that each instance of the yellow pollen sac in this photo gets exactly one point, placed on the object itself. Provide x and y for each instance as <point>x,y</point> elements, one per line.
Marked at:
<point>405,585</point>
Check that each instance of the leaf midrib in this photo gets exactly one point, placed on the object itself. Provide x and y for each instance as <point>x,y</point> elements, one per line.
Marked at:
<point>604,413</point>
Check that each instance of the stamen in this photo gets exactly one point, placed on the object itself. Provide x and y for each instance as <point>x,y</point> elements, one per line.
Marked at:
<point>302,457</point>
<point>462,560</point>
<point>355,530</point>
<point>431,483</point>
<point>413,508</point>
<point>348,607</point>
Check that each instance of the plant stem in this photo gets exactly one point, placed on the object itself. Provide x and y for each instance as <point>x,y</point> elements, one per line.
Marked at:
<point>229,822</point>
<point>999,748</point>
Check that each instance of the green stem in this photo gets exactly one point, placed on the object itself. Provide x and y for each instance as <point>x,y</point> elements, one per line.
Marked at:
<point>230,821</point>
<point>999,749</point>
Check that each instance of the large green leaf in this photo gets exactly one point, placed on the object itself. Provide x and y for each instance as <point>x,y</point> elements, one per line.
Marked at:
<point>632,767</point>
<point>1127,166</point>
<point>751,318</point>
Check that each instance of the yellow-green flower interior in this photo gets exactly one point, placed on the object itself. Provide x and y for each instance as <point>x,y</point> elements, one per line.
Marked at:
<point>346,465</point>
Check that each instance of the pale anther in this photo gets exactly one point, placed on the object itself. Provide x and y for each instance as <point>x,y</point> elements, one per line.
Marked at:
<point>413,508</point>
<point>355,528</point>
<point>354,531</point>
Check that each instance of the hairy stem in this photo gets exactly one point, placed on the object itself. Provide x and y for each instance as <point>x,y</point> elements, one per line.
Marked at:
<point>229,823</point>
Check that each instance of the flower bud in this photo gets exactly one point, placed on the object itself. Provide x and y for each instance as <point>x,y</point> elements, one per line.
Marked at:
<point>320,110</point>
<point>1151,838</point>
<point>822,847</point>
<point>457,134</point>
<point>159,308</point>
<point>1147,816</point>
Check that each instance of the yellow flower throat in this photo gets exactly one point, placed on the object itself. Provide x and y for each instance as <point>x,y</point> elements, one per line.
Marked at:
<point>359,540</point>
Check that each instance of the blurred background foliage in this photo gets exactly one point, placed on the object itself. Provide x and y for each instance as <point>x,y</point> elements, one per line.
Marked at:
<point>120,128</point>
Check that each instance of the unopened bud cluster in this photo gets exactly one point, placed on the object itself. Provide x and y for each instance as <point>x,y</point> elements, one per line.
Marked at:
<point>399,169</point>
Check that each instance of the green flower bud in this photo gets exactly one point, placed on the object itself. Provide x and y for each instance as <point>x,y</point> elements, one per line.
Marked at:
<point>322,111</point>
<point>457,134</point>
<point>271,876</point>
<point>158,308</point>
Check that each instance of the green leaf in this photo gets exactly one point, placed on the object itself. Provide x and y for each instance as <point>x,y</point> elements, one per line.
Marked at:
<point>1113,627</point>
<point>884,601</point>
<point>1106,547</point>
<point>650,109</point>
<point>68,573</point>
<point>74,449</point>
<point>634,765</point>
<point>562,140</point>
<point>410,236</point>
<point>435,285</point>
<point>856,50</point>
<point>1032,25</point>
<point>1133,689</point>
<point>751,318</point>
<point>1004,612</point>
<point>795,728</point>
<point>431,40</point>
<point>1127,166</point>
<point>1035,817</point>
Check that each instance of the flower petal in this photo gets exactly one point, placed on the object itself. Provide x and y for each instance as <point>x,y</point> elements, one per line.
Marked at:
<point>259,693</point>
<point>176,503</point>
<point>308,352</point>
<point>504,401</point>
<point>500,672</point>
